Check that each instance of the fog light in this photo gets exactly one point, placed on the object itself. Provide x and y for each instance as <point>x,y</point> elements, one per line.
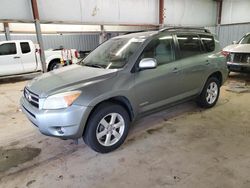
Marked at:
<point>60,130</point>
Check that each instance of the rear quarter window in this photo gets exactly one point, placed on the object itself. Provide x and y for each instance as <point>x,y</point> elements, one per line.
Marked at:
<point>208,42</point>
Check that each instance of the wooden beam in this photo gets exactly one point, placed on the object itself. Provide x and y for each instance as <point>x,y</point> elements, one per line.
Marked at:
<point>6,30</point>
<point>161,12</point>
<point>35,10</point>
<point>219,11</point>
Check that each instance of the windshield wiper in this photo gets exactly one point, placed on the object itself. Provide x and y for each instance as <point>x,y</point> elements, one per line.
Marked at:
<point>95,65</point>
<point>80,62</point>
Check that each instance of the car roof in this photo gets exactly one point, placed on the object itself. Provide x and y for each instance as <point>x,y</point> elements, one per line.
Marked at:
<point>173,30</point>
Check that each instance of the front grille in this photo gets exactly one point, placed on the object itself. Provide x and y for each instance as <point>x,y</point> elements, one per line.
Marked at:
<point>31,97</point>
<point>240,57</point>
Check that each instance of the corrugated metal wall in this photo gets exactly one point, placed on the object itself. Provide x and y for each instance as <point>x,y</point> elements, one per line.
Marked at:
<point>85,42</point>
<point>81,42</point>
<point>2,37</point>
<point>212,29</point>
<point>230,33</point>
<point>235,11</point>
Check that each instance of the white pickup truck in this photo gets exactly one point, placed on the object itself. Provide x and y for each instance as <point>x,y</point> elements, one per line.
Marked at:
<point>22,56</point>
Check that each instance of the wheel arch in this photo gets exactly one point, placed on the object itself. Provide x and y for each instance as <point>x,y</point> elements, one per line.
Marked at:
<point>217,75</point>
<point>51,61</point>
<point>201,99</point>
<point>120,100</point>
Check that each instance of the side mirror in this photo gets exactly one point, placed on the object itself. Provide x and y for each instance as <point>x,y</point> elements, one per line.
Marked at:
<point>234,42</point>
<point>148,63</point>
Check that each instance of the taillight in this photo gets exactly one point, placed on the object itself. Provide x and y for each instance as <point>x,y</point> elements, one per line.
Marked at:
<point>225,53</point>
<point>77,54</point>
<point>38,50</point>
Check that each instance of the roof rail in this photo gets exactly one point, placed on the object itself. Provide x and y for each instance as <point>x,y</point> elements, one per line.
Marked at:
<point>200,29</point>
<point>138,31</point>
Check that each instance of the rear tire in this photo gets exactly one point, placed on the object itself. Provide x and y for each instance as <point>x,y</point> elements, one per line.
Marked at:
<point>54,65</point>
<point>210,93</point>
<point>107,128</point>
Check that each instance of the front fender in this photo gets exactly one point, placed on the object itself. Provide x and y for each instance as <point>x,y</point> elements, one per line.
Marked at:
<point>106,89</point>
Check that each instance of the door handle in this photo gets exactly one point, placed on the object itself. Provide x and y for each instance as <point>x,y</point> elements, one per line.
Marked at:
<point>175,70</point>
<point>16,57</point>
<point>207,62</point>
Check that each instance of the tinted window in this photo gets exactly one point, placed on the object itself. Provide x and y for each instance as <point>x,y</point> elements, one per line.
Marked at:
<point>161,49</point>
<point>25,47</point>
<point>8,49</point>
<point>208,42</point>
<point>189,45</point>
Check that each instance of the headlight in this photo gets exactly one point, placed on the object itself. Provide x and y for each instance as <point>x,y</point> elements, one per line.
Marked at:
<point>61,100</point>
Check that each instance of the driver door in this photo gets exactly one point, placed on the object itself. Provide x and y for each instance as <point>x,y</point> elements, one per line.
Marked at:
<point>159,86</point>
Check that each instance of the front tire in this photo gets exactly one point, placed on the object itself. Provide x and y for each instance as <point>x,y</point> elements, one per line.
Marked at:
<point>107,128</point>
<point>210,93</point>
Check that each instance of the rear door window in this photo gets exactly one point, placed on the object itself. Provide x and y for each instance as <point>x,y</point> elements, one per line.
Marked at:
<point>8,49</point>
<point>189,45</point>
<point>25,47</point>
<point>208,42</point>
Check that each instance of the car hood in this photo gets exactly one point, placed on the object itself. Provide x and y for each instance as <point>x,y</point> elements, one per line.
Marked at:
<point>67,78</point>
<point>238,48</point>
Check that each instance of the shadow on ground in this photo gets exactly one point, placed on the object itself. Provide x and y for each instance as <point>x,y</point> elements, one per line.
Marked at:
<point>19,78</point>
<point>240,77</point>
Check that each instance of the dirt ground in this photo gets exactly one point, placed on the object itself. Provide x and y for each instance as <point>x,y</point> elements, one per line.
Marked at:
<point>183,146</point>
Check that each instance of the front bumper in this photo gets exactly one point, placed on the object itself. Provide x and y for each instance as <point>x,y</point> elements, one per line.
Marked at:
<point>238,67</point>
<point>65,123</point>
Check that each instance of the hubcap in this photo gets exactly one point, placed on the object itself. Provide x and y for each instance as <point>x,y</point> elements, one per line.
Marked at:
<point>110,129</point>
<point>57,66</point>
<point>212,92</point>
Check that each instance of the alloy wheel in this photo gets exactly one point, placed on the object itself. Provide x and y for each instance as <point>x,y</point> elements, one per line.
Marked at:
<point>110,129</point>
<point>212,93</point>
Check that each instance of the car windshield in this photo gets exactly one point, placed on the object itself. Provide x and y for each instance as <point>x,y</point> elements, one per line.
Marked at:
<point>245,40</point>
<point>113,54</point>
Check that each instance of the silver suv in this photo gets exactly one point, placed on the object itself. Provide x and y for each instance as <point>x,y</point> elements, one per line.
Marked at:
<point>238,55</point>
<point>125,77</point>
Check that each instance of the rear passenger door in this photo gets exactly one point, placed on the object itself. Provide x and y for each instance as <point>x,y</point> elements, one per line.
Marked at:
<point>28,57</point>
<point>193,63</point>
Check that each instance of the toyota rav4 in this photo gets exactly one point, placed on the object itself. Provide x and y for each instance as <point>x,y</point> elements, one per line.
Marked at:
<point>123,78</point>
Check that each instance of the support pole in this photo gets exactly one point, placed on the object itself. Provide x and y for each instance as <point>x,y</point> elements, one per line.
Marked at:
<point>39,34</point>
<point>161,13</point>
<point>219,13</point>
<point>6,30</point>
<point>102,35</point>
<point>40,42</point>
